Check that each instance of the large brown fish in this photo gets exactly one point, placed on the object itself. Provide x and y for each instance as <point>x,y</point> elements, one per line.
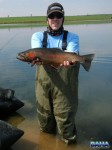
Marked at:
<point>55,57</point>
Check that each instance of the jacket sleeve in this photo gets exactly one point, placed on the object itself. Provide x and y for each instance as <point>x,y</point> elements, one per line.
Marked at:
<point>36,40</point>
<point>73,43</point>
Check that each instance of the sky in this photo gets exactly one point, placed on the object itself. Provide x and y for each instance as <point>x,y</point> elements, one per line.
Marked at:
<point>15,8</point>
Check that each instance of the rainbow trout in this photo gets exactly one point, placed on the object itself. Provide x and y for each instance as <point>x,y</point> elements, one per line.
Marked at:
<point>55,57</point>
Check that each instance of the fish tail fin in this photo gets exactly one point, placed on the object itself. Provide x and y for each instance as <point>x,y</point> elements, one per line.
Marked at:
<point>87,61</point>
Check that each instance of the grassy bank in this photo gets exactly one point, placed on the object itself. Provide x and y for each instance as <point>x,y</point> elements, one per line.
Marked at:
<point>41,20</point>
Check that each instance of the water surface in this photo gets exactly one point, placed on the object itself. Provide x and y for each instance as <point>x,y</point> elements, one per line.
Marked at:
<point>94,116</point>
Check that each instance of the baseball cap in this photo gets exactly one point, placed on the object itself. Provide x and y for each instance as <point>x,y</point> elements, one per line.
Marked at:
<point>55,7</point>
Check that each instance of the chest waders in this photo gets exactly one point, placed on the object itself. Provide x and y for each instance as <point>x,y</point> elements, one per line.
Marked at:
<point>57,96</point>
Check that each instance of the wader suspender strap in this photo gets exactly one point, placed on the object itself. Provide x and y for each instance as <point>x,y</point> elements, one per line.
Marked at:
<point>44,42</point>
<point>64,42</point>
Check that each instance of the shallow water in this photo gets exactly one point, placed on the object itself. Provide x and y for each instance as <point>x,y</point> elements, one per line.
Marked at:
<point>94,116</point>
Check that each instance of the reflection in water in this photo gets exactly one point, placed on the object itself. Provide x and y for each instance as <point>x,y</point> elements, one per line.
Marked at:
<point>15,119</point>
<point>45,141</point>
<point>6,43</point>
<point>103,60</point>
<point>95,88</point>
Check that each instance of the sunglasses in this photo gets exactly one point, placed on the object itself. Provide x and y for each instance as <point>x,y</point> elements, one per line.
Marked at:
<point>55,15</point>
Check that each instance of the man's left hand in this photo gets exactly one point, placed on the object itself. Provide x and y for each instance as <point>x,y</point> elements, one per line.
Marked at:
<point>68,63</point>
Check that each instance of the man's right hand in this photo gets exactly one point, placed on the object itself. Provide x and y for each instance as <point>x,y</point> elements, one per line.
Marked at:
<point>37,62</point>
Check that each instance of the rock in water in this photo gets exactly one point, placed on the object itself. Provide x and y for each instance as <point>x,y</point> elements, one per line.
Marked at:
<point>7,107</point>
<point>8,102</point>
<point>8,135</point>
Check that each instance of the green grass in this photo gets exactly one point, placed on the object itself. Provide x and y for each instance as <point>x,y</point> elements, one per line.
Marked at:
<point>16,20</point>
<point>41,20</point>
<point>89,17</point>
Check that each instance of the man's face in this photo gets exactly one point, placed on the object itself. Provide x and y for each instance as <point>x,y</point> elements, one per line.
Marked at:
<point>55,20</point>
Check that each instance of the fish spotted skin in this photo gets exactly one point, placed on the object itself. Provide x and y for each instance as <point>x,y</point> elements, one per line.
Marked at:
<point>55,57</point>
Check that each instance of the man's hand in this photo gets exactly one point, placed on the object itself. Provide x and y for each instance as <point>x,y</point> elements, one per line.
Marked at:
<point>68,63</point>
<point>37,62</point>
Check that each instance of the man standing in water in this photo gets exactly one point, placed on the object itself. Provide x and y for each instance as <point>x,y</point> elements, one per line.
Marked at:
<point>57,90</point>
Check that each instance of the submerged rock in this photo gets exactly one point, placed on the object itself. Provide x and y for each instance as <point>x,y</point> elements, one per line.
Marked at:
<point>8,102</point>
<point>8,135</point>
<point>6,94</point>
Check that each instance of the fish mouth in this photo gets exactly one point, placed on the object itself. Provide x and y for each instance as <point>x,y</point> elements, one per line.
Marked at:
<point>21,57</point>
